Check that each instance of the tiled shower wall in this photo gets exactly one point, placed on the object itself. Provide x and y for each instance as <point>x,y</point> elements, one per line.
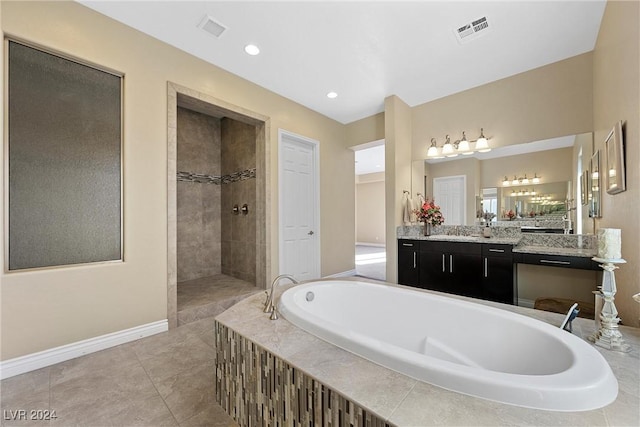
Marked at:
<point>216,169</point>
<point>238,153</point>
<point>198,204</point>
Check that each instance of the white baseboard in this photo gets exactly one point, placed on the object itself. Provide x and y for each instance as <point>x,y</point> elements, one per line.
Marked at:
<point>31,362</point>
<point>525,303</point>
<point>377,245</point>
<point>347,273</point>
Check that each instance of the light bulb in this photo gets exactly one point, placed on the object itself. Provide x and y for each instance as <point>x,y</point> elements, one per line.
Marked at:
<point>433,149</point>
<point>463,146</point>
<point>482,144</point>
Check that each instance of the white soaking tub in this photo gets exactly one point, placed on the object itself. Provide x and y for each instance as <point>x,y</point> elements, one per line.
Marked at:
<point>458,345</point>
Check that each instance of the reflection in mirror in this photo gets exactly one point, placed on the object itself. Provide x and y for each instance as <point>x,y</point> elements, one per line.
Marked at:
<point>594,193</point>
<point>559,160</point>
<point>535,201</point>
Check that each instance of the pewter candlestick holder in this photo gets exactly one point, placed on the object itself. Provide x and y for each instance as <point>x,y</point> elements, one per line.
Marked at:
<point>608,336</point>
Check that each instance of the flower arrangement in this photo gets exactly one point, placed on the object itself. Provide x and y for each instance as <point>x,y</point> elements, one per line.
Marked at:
<point>511,214</point>
<point>488,216</point>
<point>429,213</point>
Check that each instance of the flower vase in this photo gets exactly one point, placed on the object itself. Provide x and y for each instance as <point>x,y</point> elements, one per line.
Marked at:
<point>427,229</point>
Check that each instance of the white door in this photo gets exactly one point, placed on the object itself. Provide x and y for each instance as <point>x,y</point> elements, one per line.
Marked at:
<point>450,194</point>
<point>299,206</point>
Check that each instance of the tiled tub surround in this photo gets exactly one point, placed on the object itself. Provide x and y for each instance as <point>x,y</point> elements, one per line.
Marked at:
<point>402,400</point>
<point>256,387</point>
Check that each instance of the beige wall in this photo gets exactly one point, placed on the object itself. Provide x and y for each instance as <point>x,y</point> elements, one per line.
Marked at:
<point>370,205</point>
<point>53,307</point>
<point>548,102</point>
<point>365,130</point>
<point>397,125</point>
<point>616,92</point>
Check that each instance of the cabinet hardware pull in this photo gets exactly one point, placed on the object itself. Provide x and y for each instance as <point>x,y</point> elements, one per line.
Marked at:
<point>548,261</point>
<point>497,250</point>
<point>408,244</point>
<point>450,263</point>
<point>443,270</point>
<point>414,259</point>
<point>485,267</point>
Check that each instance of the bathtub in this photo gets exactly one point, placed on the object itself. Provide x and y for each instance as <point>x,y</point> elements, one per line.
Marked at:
<point>461,346</point>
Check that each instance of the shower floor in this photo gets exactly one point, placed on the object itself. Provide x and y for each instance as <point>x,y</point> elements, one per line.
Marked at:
<point>210,296</point>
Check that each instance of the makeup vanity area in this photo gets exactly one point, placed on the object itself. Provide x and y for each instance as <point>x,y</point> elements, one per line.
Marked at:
<point>542,233</point>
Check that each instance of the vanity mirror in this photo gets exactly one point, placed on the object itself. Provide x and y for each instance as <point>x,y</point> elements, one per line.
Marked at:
<point>557,163</point>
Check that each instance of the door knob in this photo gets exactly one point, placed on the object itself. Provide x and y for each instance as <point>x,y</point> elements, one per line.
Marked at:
<point>310,233</point>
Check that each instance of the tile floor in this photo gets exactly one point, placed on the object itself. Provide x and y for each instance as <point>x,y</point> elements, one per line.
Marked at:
<point>210,296</point>
<point>163,380</point>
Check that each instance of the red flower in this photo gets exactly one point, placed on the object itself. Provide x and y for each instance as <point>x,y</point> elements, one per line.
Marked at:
<point>429,213</point>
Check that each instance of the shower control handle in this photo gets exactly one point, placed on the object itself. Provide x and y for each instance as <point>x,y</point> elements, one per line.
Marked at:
<point>310,233</point>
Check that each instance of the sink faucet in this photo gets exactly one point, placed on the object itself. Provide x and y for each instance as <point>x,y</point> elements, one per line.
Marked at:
<point>270,303</point>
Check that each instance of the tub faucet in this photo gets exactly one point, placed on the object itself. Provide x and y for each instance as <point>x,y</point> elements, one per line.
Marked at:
<point>270,303</point>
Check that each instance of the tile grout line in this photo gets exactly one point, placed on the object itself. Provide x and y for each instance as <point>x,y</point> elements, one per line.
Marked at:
<point>155,387</point>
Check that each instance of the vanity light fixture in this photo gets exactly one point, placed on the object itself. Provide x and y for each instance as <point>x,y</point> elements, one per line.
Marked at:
<point>523,180</point>
<point>461,146</point>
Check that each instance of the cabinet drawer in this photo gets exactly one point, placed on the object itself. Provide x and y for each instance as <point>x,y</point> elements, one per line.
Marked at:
<point>563,261</point>
<point>465,248</point>
<point>408,244</point>
<point>495,250</point>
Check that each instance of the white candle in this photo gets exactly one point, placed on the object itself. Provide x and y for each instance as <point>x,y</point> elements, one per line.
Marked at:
<point>609,243</point>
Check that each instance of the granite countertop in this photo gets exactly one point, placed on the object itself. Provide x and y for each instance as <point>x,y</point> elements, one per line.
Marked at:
<point>402,400</point>
<point>469,239</point>
<point>546,250</point>
<point>545,244</point>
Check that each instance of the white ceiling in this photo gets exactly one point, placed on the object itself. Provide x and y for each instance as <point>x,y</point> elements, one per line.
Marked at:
<point>370,160</point>
<point>366,51</point>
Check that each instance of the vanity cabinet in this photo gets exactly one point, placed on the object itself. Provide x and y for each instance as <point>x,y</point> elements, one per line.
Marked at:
<point>498,282</point>
<point>451,267</point>
<point>409,262</point>
<point>564,261</point>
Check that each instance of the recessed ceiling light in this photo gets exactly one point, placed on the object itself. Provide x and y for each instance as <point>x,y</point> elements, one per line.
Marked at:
<point>332,95</point>
<point>252,49</point>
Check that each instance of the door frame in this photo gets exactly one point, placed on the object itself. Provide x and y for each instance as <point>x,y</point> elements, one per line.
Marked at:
<point>464,194</point>
<point>315,148</point>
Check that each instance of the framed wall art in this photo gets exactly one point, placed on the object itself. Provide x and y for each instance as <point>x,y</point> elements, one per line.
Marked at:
<point>615,173</point>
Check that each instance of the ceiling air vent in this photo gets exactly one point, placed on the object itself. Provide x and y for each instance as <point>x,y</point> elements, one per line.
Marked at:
<point>212,26</point>
<point>472,30</point>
